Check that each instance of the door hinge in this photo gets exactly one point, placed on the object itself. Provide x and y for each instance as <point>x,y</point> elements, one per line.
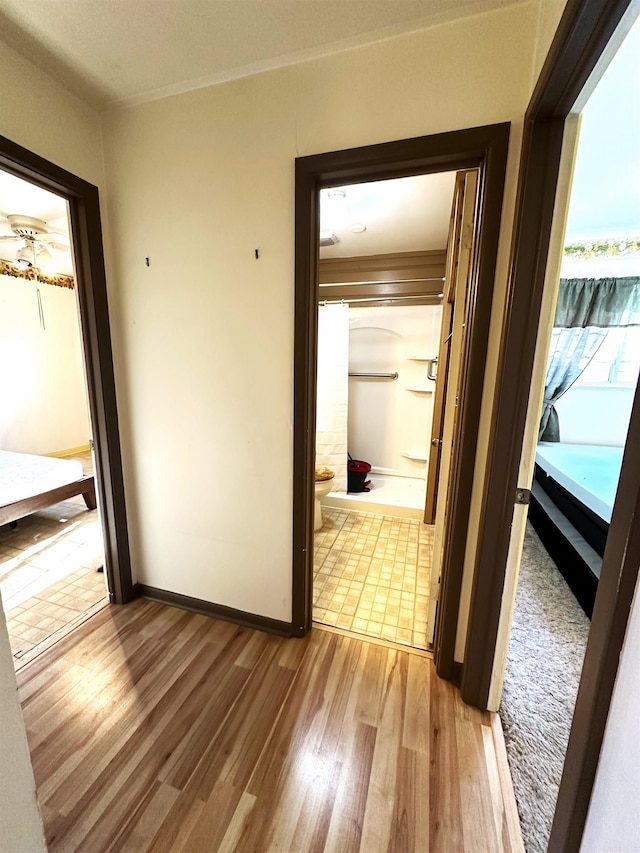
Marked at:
<point>523,496</point>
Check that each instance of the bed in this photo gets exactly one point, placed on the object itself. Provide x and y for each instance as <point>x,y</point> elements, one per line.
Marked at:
<point>29,483</point>
<point>572,496</point>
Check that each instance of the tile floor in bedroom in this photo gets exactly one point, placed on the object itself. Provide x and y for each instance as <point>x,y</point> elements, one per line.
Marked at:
<point>48,573</point>
<point>371,575</point>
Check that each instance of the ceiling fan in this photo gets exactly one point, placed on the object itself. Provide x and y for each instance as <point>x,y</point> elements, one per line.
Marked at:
<point>36,239</point>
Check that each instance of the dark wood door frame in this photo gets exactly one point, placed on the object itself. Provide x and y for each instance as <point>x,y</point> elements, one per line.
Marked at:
<point>96,336</point>
<point>583,35</point>
<point>481,147</point>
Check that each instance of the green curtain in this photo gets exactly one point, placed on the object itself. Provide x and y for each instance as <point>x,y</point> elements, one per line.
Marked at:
<point>600,302</point>
<point>586,306</point>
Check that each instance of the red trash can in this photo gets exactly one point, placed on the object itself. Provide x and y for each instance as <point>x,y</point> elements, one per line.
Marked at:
<point>357,471</point>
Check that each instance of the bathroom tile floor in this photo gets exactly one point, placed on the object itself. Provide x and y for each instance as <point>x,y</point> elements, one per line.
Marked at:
<point>48,573</point>
<point>371,575</point>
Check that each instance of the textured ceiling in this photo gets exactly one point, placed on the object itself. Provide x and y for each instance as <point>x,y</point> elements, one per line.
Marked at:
<point>130,51</point>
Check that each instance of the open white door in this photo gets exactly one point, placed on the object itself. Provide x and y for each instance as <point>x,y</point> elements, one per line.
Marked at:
<point>451,359</point>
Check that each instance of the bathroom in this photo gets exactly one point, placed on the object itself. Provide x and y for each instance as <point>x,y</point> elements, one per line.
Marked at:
<point>376,378</point>
<point>381,276</point>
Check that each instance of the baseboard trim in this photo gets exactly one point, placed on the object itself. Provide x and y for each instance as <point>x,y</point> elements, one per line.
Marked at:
<point>217,611</point>
<point>71,451</point>
<point>511,828</point>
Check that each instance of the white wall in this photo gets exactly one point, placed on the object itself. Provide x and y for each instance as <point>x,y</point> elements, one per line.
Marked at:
<point>20,824</point>
<point>44,402</point>
<point>206,345</point>
<point>549,15</point>
<point>613,821</point>
<point>50,121</point>
<point>385,418</point>
<point>594,414</point>
<point>54,124</point>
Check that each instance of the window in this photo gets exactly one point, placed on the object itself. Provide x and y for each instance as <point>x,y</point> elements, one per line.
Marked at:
<point>617,360</point>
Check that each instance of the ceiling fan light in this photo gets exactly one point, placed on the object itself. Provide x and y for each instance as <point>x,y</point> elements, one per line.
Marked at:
<point>24,258</point>
<point>328,238</point>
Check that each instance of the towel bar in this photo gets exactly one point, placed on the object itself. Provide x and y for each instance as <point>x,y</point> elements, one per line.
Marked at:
<point>376,375</point>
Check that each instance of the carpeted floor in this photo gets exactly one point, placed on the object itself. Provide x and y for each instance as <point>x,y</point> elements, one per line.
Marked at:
<point>546,650</point>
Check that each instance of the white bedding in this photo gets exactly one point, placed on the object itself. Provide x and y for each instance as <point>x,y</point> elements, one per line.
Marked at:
<point>24,476</point>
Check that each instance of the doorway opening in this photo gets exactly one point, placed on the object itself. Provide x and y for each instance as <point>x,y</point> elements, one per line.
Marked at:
<point>478,150</point>
<point>51,547</point>
<point>583,391</point>
<point>105,486</point>
<point>393,279</point>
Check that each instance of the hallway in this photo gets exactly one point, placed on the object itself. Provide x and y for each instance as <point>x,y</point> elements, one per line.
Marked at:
<point>155,729</point>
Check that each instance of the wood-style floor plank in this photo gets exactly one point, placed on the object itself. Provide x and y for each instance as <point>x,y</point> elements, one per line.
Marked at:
<point>152,729</point>
<point>347,817</point>
<point>379,820</point>
<point>445,825</point>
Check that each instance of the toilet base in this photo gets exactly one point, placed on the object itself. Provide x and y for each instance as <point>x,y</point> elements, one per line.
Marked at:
<point>322,489</point>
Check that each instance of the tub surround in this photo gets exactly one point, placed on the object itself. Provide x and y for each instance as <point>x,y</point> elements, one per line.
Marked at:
<point>397,497</point>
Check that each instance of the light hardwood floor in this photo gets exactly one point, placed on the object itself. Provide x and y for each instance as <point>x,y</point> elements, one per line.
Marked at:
<point>155,729</point>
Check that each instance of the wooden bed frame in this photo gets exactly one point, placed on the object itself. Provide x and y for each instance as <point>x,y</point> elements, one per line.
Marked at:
<point>572,533</point>
<point>19,509</point>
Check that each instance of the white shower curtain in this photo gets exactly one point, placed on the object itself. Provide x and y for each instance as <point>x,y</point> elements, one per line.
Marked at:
<point>333,391</point>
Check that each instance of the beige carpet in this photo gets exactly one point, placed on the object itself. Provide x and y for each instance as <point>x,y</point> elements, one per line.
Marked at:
<point>546,650</point>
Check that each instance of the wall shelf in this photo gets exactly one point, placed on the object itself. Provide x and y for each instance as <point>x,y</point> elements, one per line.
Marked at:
<point>419,358</point>
<point>415,455</point>
<point>420,390</point>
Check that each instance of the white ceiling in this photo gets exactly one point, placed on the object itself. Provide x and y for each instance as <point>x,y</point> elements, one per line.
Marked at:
<point>401,215</point>
<point>20,197</point>
<point>130,51</point>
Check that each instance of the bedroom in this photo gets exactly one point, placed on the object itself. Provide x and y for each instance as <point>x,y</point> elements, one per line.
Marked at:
<point>588,366</point>
<point>583,429</point>
<point>594,345</point>
<point>594,354</point>
<point>50,536</point>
